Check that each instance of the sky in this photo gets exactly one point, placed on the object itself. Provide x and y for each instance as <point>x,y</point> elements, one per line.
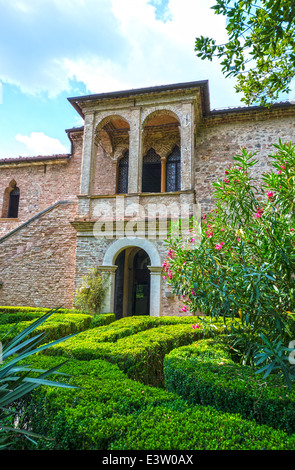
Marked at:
<point>51,50</point>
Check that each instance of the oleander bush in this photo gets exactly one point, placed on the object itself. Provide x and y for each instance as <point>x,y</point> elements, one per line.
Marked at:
<point>240,261</point>
<point>206,373</point>
<point>111,411</point>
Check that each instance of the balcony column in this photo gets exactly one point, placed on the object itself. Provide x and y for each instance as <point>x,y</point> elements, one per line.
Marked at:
<point>88,159</point>
<point>187,146</point>
<point>135,152</point>
<point>163,174</point>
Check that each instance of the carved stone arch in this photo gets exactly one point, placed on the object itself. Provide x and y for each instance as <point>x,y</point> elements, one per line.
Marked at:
<point>111,133</point>
<point>119,152</point>
<point>164,111</point>
<point>108,267</point>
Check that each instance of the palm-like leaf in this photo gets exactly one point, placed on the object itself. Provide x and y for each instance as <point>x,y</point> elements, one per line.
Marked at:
<point>15,378</point>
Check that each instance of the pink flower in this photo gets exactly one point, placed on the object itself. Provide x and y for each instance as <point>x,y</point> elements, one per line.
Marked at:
<point>209,234</point>
<point>218,246</point>
<point>283,167</point>
<point>238,239</point>
<point>226,180</point>
<point>279,172</point>
<point>184,308</point>
<point>192,240</point>
<point>226,172</point>
<point>292,230</point>
<point>270,194</point>
<point>193,292</point>
<point>170,275</point>
<point>196,326</point>
<point>258,213</point>
<point>222,229</point>
<point>164,277</point>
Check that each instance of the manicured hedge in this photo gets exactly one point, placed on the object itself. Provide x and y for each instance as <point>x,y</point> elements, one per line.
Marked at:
<point>204,373</point>
<point>16,314</point>
<point>138,344</point>
<point>59,324</point>
<point>111,411</point>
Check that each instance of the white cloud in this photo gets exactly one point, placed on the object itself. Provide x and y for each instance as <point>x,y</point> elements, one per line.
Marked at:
<point>106,44</point>
<point>39,143</point>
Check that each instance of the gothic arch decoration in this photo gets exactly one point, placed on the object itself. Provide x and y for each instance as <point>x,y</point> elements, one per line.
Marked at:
<point>161,131</point>
<point>122,173</point>
<point>160,111</point>
<point>112,132</point>
<point>11,201</point>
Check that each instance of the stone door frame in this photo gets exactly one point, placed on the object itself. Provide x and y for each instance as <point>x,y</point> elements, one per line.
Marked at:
<point>108,267</point>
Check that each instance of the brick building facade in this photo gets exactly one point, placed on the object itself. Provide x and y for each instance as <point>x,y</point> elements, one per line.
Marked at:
<point>141,157</point>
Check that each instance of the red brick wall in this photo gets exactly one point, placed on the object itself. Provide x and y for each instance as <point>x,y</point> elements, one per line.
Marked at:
<point>37,262</point>
<point>41,186</point>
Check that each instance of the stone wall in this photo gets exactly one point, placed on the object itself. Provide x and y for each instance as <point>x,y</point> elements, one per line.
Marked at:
<point>222,136</point>
<point>41,183</point>
<point>37,262</point>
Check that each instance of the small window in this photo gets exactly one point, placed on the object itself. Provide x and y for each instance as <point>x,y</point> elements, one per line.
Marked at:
<point>122,186</point>
<point>13,203</point>
<point>151,172</point>
<point>173,172</point>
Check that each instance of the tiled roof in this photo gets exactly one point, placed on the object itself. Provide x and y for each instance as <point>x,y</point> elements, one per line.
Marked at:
<point>37,158</point>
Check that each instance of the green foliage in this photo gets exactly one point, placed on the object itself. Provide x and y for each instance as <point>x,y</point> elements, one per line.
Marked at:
<point>130,415</point>
<point>137,344</point>
<point>206,373</point>
<point>16,379</point>
<point>260,51</point>
<point>245,264</point>
<point>89,297</point>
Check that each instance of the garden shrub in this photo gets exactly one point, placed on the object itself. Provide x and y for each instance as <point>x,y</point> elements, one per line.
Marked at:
<point>90,295</point>
<point>241,260</point>
<point>111,411</point>
<point>56,326</point>
<point>205,373</point>
<point>137,345</point>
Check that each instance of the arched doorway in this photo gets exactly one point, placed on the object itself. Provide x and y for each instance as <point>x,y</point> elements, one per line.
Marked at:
<point>132,283</point>
<point>109,267</point>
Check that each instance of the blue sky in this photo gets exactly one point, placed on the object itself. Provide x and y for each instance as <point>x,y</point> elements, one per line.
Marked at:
<point>54,49</point>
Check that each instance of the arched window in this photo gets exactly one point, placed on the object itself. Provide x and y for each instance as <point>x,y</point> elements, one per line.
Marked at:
<point>13,203</point>
<point>173,172</point>
<point>151,172</point>
<point>122,186</point>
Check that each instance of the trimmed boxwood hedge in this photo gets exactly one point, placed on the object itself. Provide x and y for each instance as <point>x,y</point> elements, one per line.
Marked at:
<point>205,373</point>
<point>111,411</point>
<point>61,323</point>
<point>137,344</point>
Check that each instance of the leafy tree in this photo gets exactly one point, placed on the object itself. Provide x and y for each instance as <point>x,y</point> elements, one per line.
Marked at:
<point>260,51</point>
<point>244,266</point>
